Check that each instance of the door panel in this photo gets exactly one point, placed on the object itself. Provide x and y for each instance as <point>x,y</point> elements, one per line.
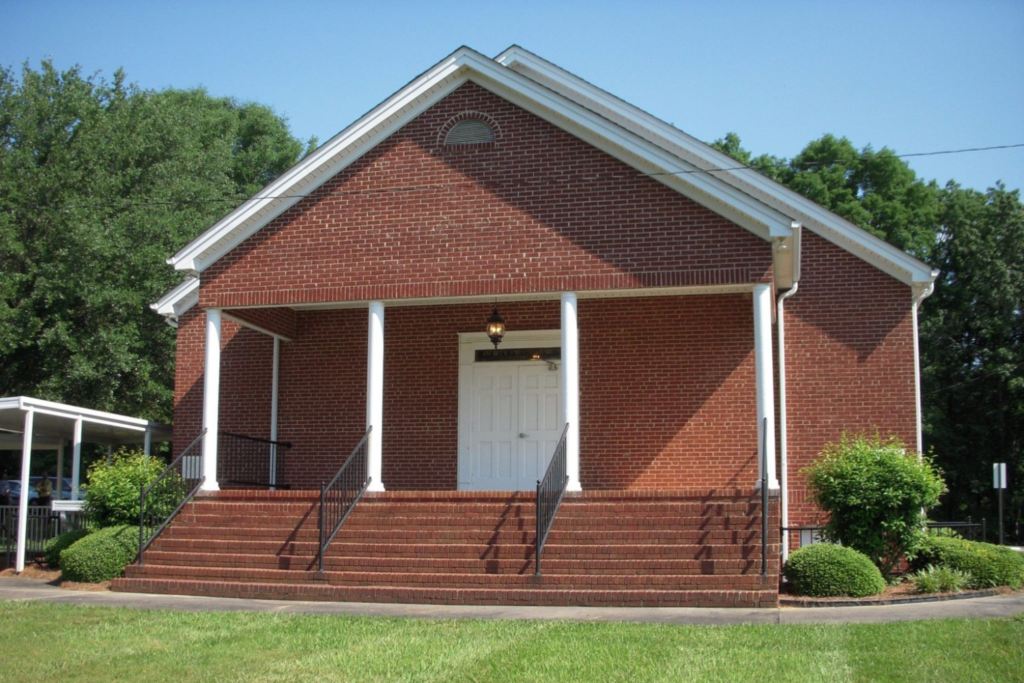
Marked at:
<point>494,446</point>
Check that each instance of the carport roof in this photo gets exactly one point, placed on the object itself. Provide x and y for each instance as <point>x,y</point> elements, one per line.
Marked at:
<point>55,421</point>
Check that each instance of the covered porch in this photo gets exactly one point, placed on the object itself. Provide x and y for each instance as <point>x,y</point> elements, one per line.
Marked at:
<point>661,389</point>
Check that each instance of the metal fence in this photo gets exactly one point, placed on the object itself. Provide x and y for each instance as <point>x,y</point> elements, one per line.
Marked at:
<point>41,525</point>
<point>167,495</point>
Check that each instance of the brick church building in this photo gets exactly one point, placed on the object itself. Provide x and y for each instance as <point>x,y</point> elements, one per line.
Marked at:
<point>673,314</point>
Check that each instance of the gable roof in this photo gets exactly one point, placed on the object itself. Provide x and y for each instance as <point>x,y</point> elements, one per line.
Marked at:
<point>627,133</point>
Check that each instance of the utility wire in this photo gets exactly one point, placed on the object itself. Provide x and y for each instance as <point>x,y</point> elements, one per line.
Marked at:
<point>126,203</point>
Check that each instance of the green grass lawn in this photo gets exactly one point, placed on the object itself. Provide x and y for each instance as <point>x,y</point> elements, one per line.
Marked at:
<point>42,642</point>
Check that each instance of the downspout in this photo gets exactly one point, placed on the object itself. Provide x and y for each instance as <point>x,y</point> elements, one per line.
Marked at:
<point>921,292</point>
<point>783,424</point>
<point>783,430</point>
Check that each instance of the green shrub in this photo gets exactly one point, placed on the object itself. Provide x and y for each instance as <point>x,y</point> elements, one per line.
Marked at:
<point>112,496</point>
<point>989,565</point>
<point>826,570</point>
<point>58,544</point>
<point>102,555</point>
<point>874,490</point>
<point>941,579</point>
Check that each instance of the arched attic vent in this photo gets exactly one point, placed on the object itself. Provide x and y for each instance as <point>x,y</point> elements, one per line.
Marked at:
<point>468,128</point>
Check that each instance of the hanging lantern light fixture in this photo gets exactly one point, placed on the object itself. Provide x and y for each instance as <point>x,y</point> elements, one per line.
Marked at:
<point>496,327</point>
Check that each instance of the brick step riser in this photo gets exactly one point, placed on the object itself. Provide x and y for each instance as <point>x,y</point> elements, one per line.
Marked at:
<point>568,509</point>
<point>520,551</point>
<point>468,536</point>
<point>424,580</point>
<point>481,524</point>
<point>455,596</point>
<point>462,566</point>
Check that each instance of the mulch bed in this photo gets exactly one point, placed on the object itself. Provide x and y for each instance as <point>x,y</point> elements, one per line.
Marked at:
<point>901,593</point>
<point>44,572</point>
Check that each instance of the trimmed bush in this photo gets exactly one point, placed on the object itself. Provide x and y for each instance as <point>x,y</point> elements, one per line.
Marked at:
<point>873,490</point>
<point>58,544</point>
<point>941,579</point>
<point>102,555</point>
<point>112,495</point>
<point>826,570</point>
<point>989,565</point>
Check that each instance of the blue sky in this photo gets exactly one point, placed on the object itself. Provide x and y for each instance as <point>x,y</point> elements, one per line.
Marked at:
<point>913,76</point>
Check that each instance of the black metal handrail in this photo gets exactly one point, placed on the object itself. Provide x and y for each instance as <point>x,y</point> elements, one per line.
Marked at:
<point>339,498</point>
<point>250,461</point>
<point>167,495</point>
<point>550,491</point>
<point>764,499</point>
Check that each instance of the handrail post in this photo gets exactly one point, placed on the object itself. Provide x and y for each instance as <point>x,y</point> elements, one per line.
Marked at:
<point>537,540</point>
<point>142,517</point>
<point>323,497</point>
<point>764,501</point>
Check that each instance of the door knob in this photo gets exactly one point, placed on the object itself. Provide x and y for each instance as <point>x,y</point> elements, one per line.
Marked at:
<point>523,436</point>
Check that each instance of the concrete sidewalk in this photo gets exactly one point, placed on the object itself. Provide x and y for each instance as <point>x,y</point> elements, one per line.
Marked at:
<point>999,606</point>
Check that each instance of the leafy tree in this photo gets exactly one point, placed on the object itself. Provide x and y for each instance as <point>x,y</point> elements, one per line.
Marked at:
<point>972,349</point>
<point>99,182</point>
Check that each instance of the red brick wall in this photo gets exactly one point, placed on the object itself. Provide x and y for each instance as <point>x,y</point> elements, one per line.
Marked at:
<point>246,367</point>
<point>667,394</point>
<point>538,210</point>
<point>849,359</point>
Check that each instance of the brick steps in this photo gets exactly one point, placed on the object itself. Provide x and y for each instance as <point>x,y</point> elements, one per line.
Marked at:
<point>605,548</point>
<point>549,581</point>
<point>560,536</point>
<point>454,596</point>
<point>629,567</point>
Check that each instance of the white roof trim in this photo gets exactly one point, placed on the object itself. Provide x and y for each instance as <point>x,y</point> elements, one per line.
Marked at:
<point>463,65</point>
<point>832,227</point>
<point>176,302</point>
<point>70,412</point>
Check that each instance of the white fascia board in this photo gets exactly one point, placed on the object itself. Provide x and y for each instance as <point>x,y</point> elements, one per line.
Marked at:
<point>426,90</point>
<point>832,227</point>
<point>177,301</point>
<point>74,412</point>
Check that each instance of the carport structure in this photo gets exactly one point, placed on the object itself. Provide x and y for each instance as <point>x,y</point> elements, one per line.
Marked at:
<point>29,423</point>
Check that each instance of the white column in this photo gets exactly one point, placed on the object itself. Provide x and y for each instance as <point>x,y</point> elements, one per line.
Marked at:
<point>275,383</point>
<point>375,394</point>
<point>58,485</point>
<point>26,464</point>
<point>765,382</point>
<point>571,388</point>
<point>147,442</point>
<point>211,399</point>
<point>76,459</point>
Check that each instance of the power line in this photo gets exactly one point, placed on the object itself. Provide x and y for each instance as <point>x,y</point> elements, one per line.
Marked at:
<point>128,203</point>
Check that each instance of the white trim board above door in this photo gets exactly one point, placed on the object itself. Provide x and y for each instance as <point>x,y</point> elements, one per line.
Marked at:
<point>510,412</point>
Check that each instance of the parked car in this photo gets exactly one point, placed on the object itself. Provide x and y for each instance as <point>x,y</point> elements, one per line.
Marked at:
<point>32,493</point>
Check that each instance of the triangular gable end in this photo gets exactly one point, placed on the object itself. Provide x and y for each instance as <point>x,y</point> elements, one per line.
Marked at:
<point>430,87</point>
<point>809,214</point>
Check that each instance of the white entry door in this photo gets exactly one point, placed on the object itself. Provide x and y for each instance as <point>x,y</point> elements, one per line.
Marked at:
<point>516,423</point>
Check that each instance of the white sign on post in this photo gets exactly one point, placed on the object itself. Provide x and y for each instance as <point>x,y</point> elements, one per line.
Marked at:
<point>999,475</point>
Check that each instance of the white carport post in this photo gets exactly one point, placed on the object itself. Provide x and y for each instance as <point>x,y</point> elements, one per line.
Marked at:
<point>211,399</point>
<point>26,463</point>
<point>275,386</point>
<point>58,486</point>
<point>147,443</point>
<point>763,372</point>
<point>571,388</point>
<point>375,395</point>
<point>76,459</point>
